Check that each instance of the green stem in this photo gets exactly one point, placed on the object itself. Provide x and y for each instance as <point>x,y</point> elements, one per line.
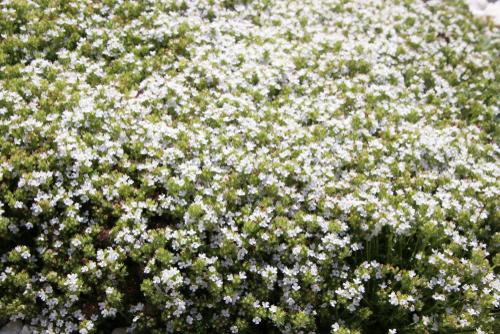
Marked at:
<point>371,307</point>
<point>410,238</point>
<point>380,315</point>
<point>389,248</point>
<point>401,250</point>
<point>415,249</point>
<point>431,309</point>
<point>369,246</point>
<point>125,316</point>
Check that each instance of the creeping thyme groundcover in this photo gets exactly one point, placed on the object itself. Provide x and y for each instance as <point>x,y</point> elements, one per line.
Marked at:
<point>249,166</point>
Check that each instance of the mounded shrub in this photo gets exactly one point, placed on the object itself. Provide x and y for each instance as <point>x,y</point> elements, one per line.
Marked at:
<point>249,167</point>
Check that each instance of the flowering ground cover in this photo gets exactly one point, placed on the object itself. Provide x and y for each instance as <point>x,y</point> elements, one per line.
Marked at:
<point>249,166</point>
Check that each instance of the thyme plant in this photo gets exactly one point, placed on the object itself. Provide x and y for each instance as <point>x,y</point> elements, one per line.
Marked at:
<point>317,166</point>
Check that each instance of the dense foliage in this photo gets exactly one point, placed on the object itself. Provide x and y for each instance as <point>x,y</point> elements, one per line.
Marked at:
<point>249,166</point>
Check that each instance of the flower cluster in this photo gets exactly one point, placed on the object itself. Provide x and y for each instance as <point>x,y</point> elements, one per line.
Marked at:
<point>232,166</point>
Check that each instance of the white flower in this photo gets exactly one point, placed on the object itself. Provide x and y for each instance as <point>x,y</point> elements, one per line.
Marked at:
<point>478,7</point>
<point>112,256</point>
<point>13,228</point>
<point>100,255</point>
<point>234,329</point>
<point>256,320</point>
<point>167,274</point>
<point>437,296</point>
<point>287,139</point>
<point>110,290</point>
<point>296,250</point>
